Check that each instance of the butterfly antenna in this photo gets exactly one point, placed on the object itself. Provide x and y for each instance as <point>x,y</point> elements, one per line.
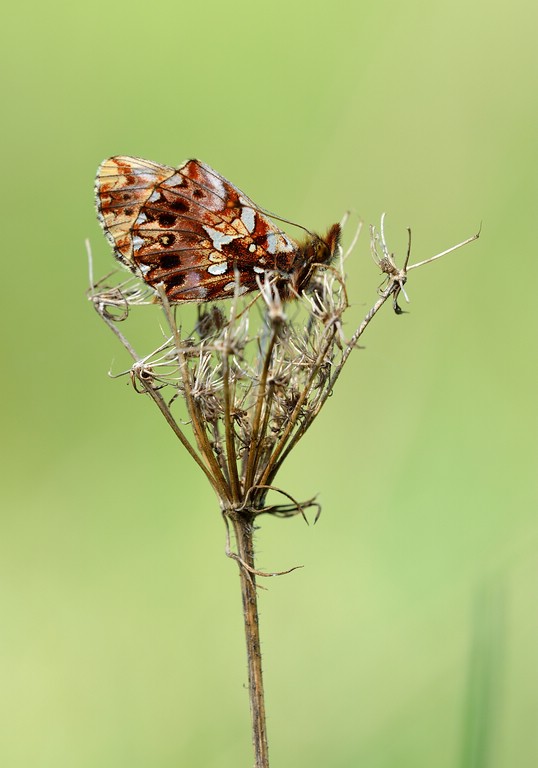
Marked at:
<point>283,220</point>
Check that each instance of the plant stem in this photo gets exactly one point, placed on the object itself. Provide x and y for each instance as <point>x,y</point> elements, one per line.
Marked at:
<point>244,530</point>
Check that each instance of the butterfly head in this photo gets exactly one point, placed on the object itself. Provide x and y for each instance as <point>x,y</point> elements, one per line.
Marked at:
<point>321,250</point>
<point>315,251</point>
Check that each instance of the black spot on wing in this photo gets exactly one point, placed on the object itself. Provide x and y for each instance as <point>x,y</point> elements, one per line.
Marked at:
<point>175,281</point>
<point>170,261</point>
<point>167,219</point>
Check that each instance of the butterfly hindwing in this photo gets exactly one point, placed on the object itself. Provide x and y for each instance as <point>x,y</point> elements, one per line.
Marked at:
<point>189,229</point>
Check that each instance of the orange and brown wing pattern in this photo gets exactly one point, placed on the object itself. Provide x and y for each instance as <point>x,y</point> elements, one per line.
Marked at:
<point>122,186</point>
<point>188,228</point>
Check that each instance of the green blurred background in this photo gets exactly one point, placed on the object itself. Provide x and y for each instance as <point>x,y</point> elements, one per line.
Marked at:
<point>410,637</point>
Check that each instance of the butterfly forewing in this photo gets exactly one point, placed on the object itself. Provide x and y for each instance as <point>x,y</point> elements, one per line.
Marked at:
<point>189,229</point>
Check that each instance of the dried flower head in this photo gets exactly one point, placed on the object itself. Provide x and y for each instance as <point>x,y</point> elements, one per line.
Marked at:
<point>250,376</point>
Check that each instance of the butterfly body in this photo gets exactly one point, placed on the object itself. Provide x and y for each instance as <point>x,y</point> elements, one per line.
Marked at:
<point>191,230</point>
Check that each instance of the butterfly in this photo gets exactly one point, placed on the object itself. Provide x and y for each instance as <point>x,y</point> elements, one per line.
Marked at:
<point>194,232</point>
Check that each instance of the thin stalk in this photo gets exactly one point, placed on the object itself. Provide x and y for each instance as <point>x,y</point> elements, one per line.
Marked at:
<point>276,457</point>
<point>261,394</point>
<point>197,420</point>
<point>244,529</point>
<point>231,456</point>
<point>328,389</point>
<point>156,397</point>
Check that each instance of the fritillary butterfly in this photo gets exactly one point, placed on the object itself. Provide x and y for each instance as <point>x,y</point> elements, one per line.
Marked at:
<point>191,230</point>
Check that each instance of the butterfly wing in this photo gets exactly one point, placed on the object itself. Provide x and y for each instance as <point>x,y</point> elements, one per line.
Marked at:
<point>188,228</point>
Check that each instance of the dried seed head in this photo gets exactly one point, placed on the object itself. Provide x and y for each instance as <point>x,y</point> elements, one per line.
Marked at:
<point>250,378</point>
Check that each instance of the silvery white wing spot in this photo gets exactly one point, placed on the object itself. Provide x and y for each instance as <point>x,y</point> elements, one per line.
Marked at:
<point>193,231</point>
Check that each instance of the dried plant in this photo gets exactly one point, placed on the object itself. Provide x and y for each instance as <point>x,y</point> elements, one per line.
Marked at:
<point>240,390</point>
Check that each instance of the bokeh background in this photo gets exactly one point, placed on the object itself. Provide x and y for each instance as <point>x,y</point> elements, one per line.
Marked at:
<point>410,636</point>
